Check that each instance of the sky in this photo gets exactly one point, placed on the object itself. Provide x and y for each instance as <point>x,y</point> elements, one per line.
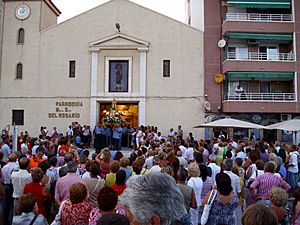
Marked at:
<point>70,8</point>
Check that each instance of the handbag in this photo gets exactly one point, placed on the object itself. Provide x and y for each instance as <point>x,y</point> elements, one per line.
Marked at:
<point>207,207</point>
<point>56,221</point>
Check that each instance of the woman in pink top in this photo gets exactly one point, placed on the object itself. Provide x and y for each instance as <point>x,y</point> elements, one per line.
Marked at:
<point>296,208</point>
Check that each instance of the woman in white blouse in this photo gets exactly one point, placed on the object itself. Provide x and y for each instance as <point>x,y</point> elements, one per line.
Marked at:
<point>196,183</point>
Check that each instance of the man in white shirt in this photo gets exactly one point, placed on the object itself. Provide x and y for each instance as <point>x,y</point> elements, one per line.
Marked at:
<point>182,148</point>
<point>189,153</point>
<point>149,159</point>
<point>69,132</point>
<point>6,149</point>
<point>19,179</point>
<point>155,168</point>
<point>182,161</point>
<point>37,143</point>
<point>293,170</point>
<point>8,199</point>
<point>239,151</point>
<point>215,169</point>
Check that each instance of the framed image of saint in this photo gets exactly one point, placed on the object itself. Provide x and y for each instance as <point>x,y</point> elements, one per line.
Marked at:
<point>118,75</point>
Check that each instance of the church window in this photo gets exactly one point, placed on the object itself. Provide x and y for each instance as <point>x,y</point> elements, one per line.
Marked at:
<point>21,35</point>
<point>72,66</point>
<point>18,117</point>
<point>166,68</point>
<point>19,71</point>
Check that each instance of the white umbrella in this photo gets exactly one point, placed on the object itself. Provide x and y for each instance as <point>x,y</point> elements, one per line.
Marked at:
<point>228,122</point>
<point>289,125</point>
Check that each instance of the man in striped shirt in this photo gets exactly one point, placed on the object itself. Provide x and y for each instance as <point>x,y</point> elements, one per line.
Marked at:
<point>264,183</point>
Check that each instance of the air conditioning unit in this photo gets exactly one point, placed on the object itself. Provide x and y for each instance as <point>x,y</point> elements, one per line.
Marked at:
<point>285,117</point>
<point>253,42</point>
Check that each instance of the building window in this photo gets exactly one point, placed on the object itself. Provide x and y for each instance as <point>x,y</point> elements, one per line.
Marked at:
<point>19,71</point>
<point>166,68</point>
<point>21,35</point>
<point>18,117</point>
<point>72,65</point>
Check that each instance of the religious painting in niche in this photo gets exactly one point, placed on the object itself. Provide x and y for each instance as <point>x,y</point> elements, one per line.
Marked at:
<point>118,75</point>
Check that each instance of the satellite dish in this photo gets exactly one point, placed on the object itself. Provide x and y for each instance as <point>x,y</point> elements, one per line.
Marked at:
<point>221,43</point>
<point>207,105</point>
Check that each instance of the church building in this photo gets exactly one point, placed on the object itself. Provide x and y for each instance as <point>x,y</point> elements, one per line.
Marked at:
<point>53,74</point>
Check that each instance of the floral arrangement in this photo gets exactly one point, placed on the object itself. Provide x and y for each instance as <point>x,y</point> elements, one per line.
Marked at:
<point>113,116</point>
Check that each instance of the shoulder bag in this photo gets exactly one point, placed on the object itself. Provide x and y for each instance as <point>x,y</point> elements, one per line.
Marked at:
<point>33,219</point>
<point>95,188</point>
<point>207,207</point>
<point>57,219</point>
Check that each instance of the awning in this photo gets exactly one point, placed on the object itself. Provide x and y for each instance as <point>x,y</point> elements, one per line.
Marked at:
<point>260,75</point>
<point>229,122</point>
<point>286,37</point>
<point>281,4</point>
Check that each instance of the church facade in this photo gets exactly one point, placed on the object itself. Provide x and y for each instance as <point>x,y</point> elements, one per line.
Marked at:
<point>53,74</point>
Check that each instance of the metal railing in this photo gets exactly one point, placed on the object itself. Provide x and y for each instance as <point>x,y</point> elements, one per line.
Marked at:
<point>261,56</point>
<point>259,17</point>
<point>260,97</point>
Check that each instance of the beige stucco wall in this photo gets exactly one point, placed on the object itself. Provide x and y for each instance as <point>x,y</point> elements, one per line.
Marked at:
<point>46,54</point>
<point>37,110</point>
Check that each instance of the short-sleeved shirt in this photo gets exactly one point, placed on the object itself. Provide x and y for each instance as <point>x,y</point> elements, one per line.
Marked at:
<point>34,162</point>
<point>265,182</point>
<point>235,182</point>
<point>36,189</point>
<point>63,184</point>
<point>73,214</point>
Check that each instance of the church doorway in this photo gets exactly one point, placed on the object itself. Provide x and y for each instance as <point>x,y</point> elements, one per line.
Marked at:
<point>129,112</point>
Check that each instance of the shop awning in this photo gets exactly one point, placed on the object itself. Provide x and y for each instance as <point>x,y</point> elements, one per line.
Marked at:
<point>260,75</point>
<point>287,37</point>
<point>281,4</point>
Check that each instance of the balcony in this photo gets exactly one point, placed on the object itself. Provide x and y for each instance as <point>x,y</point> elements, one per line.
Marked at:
<point>257,17</point>
<point>257,56</point>
<point>273,97</point>
<point>258,23</point>
<point>260,106</point>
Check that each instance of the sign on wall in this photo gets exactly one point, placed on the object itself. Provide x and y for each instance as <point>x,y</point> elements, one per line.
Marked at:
<point>65,110</point>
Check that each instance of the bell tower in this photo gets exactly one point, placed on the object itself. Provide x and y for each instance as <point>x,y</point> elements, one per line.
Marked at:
<point>21,25</point>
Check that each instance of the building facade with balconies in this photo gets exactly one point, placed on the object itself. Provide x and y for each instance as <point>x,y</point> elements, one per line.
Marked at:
<point>253,44</point>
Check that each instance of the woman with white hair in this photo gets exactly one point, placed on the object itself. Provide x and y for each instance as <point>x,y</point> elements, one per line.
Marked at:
<point>196,183</point>
<point>153,199</point>
<point>24,150</point>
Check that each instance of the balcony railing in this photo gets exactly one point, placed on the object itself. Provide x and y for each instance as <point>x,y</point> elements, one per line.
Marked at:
<point>261,56</point>
<point>259,17</point>
<point>261,97</point>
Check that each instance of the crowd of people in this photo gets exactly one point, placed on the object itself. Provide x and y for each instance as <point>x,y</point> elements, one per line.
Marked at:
<point>58,179</point>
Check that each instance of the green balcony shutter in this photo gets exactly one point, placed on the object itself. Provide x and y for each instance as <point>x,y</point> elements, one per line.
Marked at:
<point>283,4</point>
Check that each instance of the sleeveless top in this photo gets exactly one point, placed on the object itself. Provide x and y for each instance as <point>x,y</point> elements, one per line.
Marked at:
<point>222,213</point>
<point>187,194</point>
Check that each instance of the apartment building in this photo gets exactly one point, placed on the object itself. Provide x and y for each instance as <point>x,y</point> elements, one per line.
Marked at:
<point>253,44</point>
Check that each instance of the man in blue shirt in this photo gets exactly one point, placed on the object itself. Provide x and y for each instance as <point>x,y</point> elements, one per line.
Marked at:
<point>117,134</point>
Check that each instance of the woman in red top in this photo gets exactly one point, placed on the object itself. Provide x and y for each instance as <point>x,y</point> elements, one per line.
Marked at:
<point>120,185</point>
<point>40,193</point>
<point>76,210</point>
